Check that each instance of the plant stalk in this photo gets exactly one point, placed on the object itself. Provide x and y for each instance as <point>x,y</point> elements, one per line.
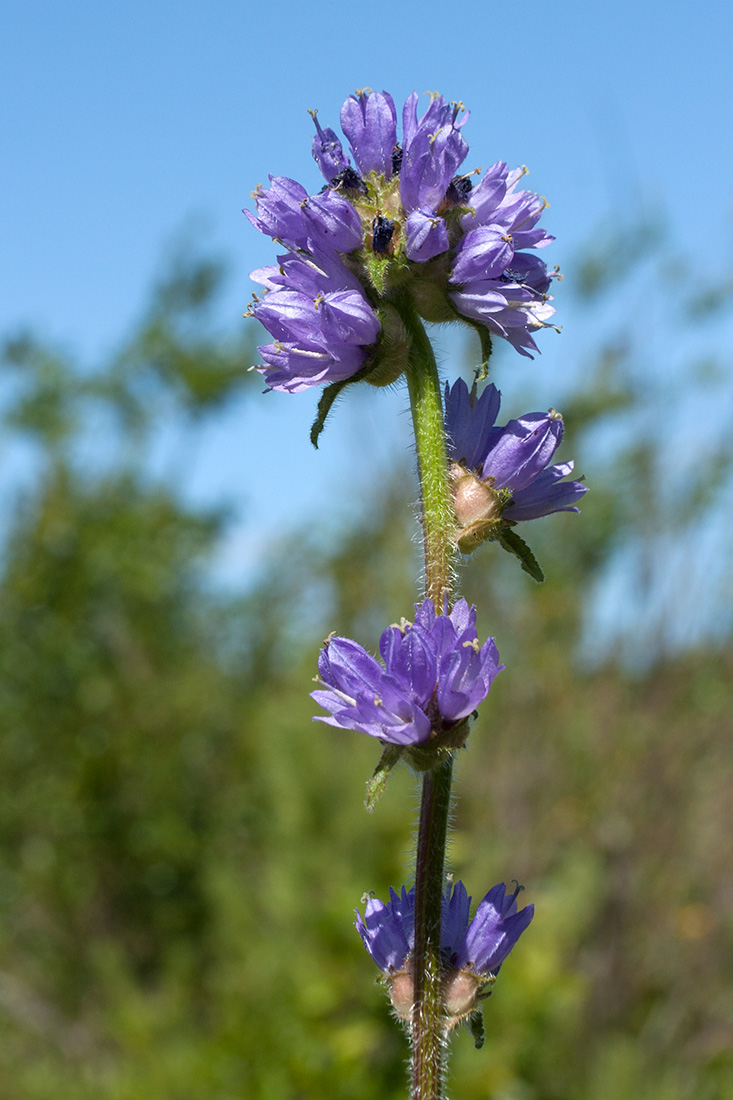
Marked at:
<point>427,1030</point>
<point>428,1026</point>
<point>437,517</point>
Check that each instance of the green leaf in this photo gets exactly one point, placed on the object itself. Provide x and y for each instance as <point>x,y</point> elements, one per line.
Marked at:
<point>516,545</point>
<point>328,397</point>
<point>378,781</point>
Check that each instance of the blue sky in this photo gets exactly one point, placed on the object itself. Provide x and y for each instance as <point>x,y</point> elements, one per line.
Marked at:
<point>122,122</point>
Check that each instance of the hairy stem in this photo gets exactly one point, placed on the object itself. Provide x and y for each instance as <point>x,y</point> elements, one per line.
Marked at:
<point>428,1029</point>
<point>438,522</point>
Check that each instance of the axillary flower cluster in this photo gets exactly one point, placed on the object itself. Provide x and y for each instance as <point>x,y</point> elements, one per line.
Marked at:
<point>472,950</point>
<point>502,475</point>
<point>400,235</point>
<point>401,219</point>
<point>435,674</point>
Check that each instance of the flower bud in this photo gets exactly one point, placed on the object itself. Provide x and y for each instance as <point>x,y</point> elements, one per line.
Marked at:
<point>478,508</point>
<point>402,991</point>
<point>460,992</point>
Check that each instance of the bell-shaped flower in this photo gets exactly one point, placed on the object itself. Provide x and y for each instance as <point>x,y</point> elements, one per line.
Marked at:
<point>434,675</point>
<point>472,951</point>
<point>369,121</point>
<point>327,150</point>
<point>503,475</point>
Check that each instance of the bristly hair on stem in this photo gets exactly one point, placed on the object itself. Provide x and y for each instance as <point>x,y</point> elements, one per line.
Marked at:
<point>426,406</point>
<point>427,1027</point>
<point>427,1032</point>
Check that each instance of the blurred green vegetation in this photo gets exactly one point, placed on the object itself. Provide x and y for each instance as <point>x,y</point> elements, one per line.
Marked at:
<point>182,848</point>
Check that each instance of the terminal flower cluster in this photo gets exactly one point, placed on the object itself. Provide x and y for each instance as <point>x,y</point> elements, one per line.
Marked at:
<point>434,676</point>
<point>472,950</point>
<point>394,218</point>
<point>502,475</point>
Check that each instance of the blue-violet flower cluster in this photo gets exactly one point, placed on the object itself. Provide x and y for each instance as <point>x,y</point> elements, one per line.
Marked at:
<point>472,950</point>
<point>502,475</point>
<point>434,676</point>
<point>400,219</point>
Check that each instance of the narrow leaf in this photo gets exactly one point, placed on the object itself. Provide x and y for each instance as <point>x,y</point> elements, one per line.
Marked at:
<point>328,397</point>
<point>516,545</point>
<point>378,781</point>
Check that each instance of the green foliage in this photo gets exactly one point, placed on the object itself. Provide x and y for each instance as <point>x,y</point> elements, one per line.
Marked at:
<point>181,848</point>
<point>330,395</point>
<point>380,776</point>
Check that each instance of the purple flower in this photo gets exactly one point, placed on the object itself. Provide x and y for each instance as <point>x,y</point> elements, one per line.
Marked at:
<point>426,235</point>
<point>287,213</point>
<point>512,305</point>
<point>369,121</point>
<point>502,475</point>
<point>321,320</point>
<point>492,281</point>
<point>388,930</point>
<point>494,201</point>
<point>434,675</point>
<point>327,150</point>
<point>377,226</point>
<point>472,950</point>
<point>433,151</point>
<point>293,366</point>
<point>495,928</point>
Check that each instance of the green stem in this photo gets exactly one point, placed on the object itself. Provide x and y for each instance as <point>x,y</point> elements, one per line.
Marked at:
<point>438,522</point>
<point>428,1028</point>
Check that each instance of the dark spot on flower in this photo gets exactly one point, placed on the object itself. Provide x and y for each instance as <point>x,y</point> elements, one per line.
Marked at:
<point>382,230</point>
<point>348,179</point>
<point>459,188</point>
<point>510,276</point>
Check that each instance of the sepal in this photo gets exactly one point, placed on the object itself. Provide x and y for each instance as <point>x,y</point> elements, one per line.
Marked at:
<point>426,758</point>
<point>393,349</point>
